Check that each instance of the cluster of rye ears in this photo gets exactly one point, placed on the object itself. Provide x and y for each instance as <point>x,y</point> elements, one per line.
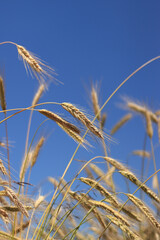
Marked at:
<point>97,213</point>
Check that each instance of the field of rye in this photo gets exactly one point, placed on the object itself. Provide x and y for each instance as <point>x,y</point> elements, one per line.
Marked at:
<point>96,208</point>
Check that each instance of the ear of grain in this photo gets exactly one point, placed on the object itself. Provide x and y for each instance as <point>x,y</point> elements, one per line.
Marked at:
<point>136,181</point>
<point>2,94</point>
<point>75,112</point>
<point>101,189</point>
<point>21,227</point>
<point>103,120</point>
<point>109,210</point>
<point>38,94</point>
<point>14,208</point>
<point>128,174</point>
<point>142,109</point>
<point>2,168</point>
<point>100,173</point>
<point>94,97</point>
<point>76,137</point>
<point>83,199</point>
<point>35,151</point>
<point>131,235</point>
<point>155,182</point>
<point>25,165</point>
<point>145,210</point>
<point>16,201</point>
<point>149,127</point>
<point>39,200</point>
<point>39,69</point>
<point>141,153</point>
<point>59,120</point>
<point>125,119</point>
<point>4,215</point>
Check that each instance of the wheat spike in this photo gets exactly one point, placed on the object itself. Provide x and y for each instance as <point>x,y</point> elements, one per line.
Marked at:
<point>39,200</point>
<point>103,120</point>
<point>145,210</point>
<point>100,173</point>
<point>16,201</point>
<point>4,215</point>
<point>38,94</point>
<point>94,97</point>
<point>124,228</point>
<point>35,151</point>
<point>2,94</point>
<point>39,69</point>
<point>136,181</point>
<point>14,208</point>
<point>109,209</point>
<point>83,199</point>
<point>59,120</point>
<point>155,182</point>
<point>141,153</point>
<point>2,168</point>
<point>76,137</point>
<point>149,127</point>
<point>125,119</point>
<point>21,227</point>
<point>128,174</point>
<point>75,112</point>
<point>142,109</point>
<point>101,189</point>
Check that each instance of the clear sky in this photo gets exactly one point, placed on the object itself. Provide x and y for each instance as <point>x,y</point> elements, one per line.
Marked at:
<point>101,41</point>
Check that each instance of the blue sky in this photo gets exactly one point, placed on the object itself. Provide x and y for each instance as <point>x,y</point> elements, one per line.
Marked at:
<point>84,41</point>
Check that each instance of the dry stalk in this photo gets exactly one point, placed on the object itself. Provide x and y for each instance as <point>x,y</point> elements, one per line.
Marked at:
<point>75,112</point>
<point>125,119</point>
<point>4,107</point>
<point>59,120</point>
<point>144,210</point>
